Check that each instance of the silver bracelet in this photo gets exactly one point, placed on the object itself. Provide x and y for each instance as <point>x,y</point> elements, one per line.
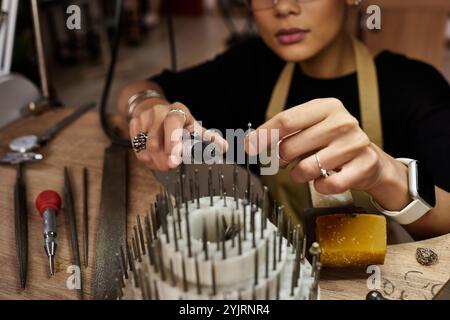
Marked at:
<point>138,98</point>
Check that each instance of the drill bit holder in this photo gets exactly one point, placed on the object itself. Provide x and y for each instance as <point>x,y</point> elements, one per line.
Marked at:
<point>214,247</point>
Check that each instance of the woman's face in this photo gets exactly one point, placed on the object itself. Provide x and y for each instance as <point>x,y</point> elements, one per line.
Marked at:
<point>298,30</point>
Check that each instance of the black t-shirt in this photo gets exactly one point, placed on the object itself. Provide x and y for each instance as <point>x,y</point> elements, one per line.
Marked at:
<point>235,88</point>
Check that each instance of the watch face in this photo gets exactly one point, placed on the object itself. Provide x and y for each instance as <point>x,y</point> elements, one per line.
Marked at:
<point>425,185</point>
<point>24,144</point>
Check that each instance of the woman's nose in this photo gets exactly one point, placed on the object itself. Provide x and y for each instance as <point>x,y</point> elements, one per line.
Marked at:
<point>287,7</point>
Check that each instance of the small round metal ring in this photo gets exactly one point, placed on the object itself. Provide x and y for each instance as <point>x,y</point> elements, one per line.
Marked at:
<point>179,111</point>
<point>324,173</point>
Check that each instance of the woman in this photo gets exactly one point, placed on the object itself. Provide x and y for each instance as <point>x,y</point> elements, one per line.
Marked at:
<point>307,78</point>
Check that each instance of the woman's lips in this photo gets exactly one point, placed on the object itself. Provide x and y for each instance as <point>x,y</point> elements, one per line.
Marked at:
<point>291,36</point>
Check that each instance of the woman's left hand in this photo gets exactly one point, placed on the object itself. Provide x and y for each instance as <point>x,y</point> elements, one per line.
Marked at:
<point>325,127</point>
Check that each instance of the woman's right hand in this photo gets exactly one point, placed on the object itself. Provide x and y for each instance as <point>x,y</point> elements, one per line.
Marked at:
<point>165,133</point>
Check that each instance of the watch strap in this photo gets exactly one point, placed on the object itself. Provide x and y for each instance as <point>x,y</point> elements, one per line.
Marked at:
<point>411,213</point>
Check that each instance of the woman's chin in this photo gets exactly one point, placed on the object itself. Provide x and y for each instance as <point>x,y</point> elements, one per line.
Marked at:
<point>295,53</point>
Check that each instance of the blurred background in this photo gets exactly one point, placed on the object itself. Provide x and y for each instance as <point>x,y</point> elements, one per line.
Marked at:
<point>78,59</point>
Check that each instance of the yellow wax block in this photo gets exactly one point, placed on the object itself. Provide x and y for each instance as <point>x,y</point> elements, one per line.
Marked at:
<point>351,240</point>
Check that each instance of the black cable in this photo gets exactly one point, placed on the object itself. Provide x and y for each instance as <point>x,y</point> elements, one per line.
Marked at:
<point>112,66</point>
<point>170,30</point>
<point>116,139</point>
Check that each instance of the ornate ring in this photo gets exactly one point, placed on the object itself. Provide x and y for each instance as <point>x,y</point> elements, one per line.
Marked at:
<point>179,111</point>
<point>324,173</point>
<point>140,142</point>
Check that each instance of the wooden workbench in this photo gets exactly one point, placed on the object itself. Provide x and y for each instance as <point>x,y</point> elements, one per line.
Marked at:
<point>82,144</point>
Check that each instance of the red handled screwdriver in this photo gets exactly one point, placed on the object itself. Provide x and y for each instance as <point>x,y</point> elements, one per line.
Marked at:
<point>48,204</point>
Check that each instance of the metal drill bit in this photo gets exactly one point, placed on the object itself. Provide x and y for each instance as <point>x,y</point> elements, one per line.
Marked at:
<point>294,239</point>
<point>133,245</point>
<point>172,274</point>
<point>217,231</point>
<point>277,296</point>
<point>274,247</point>
<point>236,198</point>
<point>210,187</point>
<point>265,206</point>
<point>85,218</point>
<point>240,294</point>
<point>225,199</point>
<point>141,283</point>
<point>289,231</point>
<point>239,238</point>
<point>155,284</point>
<point>314,251</point>
<point>160,260</point>
<point>275,213</point>
<point>197,277</point>
<point>315,285</point>
<point>280,243</point>
<point>138,250</point>
<point>303,257</point>
<point>123,263</point>
<point>235,177</point>
<point>131,263</point>
<point>256,267</point>
<point>153,222</point>
<point>205,239</point>
<point>213,277</point>
<point>224,249</point>
<point>267,259</point>
<point>262,224</point>
<point>148,288</point>
<point>197,188</point>
<point>188,233</point>
<point>177,199</point>
<point>182,185</point>
<point>244,209</point>
<point>293,280</point>
<point>248,167</point>
<point>192,189</point>
<point>253,292</point>
<point>149,240</point>
<point>175,236</point>
<point>267,291</point>
<point>220,185</point>
<point>252,223</point>
<point>233,238</point>
<point>141,234</point>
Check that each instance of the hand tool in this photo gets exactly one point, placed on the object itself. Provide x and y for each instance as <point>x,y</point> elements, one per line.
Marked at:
<point>22,147</point>
<point>70,211</point>
<point>86,218</point>
<point>112,223</point>
<point>21,225</point>
<point>48,204</point>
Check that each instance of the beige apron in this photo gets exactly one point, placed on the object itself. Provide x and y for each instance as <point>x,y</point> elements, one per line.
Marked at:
<point>296,197</point>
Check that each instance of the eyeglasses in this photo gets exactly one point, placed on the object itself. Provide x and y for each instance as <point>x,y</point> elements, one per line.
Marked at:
<point>256,5</point>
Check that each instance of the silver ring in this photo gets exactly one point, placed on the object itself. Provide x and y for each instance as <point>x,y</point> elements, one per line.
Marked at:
<point>140,142</point>
<point>179,111</point>
<point>324,173</point>
<point>278,152</point>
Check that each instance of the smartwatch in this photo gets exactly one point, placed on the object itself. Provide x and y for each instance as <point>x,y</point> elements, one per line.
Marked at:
<point>421,189</point>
